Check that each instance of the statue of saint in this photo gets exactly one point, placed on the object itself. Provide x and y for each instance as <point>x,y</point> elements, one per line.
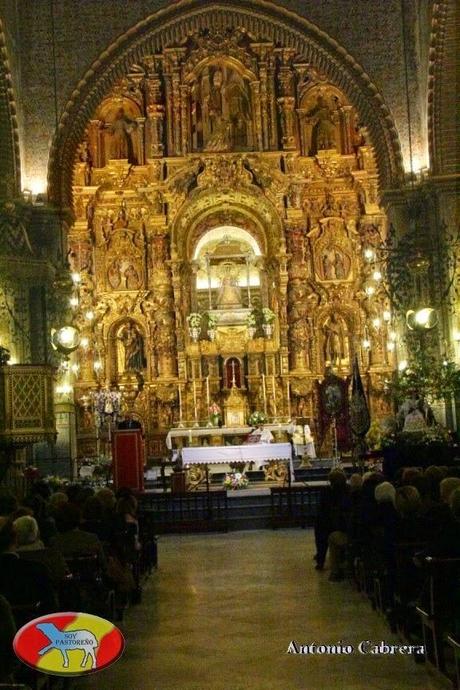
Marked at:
<point>324,133</point>
<point>121,130</point>
<point>334,341</point>
<point>229,296</point>
<point>133,344</point>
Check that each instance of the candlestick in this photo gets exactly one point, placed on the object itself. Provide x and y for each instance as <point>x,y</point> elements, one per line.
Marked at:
<point>180,406</point>
<point>274,396</point>
<point>288,390</point>
<point>264,391</point>
<point>194,404</point>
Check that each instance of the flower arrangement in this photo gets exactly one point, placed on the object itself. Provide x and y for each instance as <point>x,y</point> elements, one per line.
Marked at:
<point>194,320</point>
<point>268,315</point>
<point>251,320</point>
<point>214,409</point>
<point>212,321</point>
<point>257,418</point>
<point>56,483</point>
<point>235,480</point>
<point>31,473</point>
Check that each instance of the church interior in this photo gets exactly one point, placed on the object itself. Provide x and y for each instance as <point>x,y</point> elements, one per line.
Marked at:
<point>230,340</point>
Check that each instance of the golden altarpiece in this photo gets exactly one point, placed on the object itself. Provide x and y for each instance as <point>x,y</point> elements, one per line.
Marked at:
<point>224,177</point>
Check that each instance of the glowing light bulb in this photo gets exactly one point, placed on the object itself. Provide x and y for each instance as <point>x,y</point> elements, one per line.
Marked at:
<point>76,278</point>
<point>75,368</point>
<point>366,344</point>
<point>402,365</point>
<point>369,290</point>
<point>73,301</point>
<point>387,316</point>
<point>376,323</point>
<point>97,365</point>
<point>391,346</point>
<point>89,315</point>
<point>377,276</point>
<point>369,254</point>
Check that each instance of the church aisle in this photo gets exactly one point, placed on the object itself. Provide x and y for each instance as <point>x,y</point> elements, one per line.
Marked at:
<point>222,609</point>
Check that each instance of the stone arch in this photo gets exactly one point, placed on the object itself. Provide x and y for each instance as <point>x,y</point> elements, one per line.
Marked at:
<point>10,170</point>
<point>443,112</point>
<point>260,17</point>
<point>195,218</point>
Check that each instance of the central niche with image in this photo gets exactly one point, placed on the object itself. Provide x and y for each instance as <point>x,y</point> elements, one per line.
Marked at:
<point>228,280</point>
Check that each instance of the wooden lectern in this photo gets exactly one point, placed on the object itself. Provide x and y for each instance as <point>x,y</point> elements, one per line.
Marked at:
<point>128,453</point>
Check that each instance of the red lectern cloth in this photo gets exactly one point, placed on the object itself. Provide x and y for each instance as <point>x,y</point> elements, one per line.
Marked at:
<point>128,459</point>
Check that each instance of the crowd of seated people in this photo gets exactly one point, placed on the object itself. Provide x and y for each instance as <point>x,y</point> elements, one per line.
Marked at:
<point>389,533</point>
<point>76,550</point>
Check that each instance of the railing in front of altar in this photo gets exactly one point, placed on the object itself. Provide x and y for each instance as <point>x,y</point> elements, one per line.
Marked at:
<point>295,506</point>
<point>191,511</point>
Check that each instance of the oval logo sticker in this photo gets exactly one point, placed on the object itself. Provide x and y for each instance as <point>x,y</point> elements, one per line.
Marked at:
<point>69,644</point>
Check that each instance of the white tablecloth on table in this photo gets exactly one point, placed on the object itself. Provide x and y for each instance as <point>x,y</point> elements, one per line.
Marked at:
<point>258,453</point>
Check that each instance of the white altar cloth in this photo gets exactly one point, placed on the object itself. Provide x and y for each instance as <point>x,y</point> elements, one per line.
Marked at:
<point>189,433</point>
<point>258,453</point>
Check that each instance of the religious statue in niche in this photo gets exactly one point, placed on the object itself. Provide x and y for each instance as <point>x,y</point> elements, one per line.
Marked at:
<point>123,275</point>
<point>324,133</point>
<point>132,342</point>
<point>229,296</point>
<point>121,141</point>
<point>334,264</point>
<point>221,112</point>
<point>334,340</point>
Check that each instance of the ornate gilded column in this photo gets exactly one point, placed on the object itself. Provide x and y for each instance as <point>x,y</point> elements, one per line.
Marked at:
<point>172,66</point>
<point>155,110</point>
<point>141,141</point>
<point>96,142</point>
<point>255,92</point>
<point>346,126</point>
<point>185,119</point>
<point>286,101</point>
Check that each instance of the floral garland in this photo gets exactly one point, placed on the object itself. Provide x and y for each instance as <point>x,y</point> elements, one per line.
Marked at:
<point>214,410</point>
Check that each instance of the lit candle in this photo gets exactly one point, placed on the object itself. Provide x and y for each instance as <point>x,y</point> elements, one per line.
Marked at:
<point>264,391</point>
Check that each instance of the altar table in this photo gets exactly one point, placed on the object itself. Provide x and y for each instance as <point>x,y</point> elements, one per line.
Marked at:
<point>258,453</point>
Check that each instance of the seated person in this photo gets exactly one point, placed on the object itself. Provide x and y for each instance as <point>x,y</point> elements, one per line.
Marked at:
<point>71,540</point>
<point>31,548</point>
<point>25,585</point>
<point>260,435</point>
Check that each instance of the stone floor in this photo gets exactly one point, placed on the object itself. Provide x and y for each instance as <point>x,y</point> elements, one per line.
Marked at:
<point>222,609</point>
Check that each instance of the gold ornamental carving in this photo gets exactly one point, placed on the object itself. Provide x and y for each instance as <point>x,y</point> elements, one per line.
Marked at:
<point>220,177</point>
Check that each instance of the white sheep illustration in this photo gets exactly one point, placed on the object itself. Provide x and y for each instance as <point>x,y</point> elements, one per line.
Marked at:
<point>66,641</point>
